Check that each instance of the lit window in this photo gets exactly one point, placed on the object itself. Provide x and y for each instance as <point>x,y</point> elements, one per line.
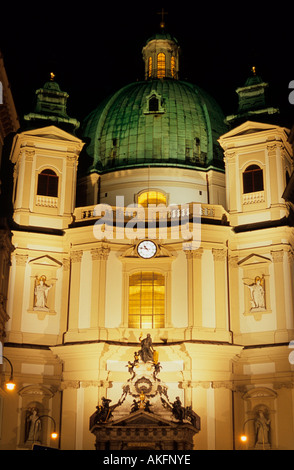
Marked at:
<point>47,183</point>
<point>173,67</point>
<point>161,65</point>
<point>252,179</point>
<point>146,300</point>
<point>151,197</point>
<point>149,66</point>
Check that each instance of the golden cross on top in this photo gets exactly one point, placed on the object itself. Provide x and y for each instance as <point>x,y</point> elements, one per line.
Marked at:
<point>162,13</point>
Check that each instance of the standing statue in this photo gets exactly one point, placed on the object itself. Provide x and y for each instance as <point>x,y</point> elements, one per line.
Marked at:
<point>257,293</point>
<point>262,429</point>
<point>41,293</point>
<point>147,350</point>
<point>33,426</point>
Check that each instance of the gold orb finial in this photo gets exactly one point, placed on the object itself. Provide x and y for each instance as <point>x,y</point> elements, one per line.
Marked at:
<point>52,76</point>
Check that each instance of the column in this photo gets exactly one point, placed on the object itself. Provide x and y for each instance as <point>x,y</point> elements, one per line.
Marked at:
<point>99,260</point>
<point>15,334</point>
<point>220,283</point>
<point>76,258</point>
<point>194,258</point>
<point>281,332</point>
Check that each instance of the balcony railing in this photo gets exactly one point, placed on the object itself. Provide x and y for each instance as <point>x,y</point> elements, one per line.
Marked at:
<point>46,201</point>
<point>253,198</point>
<point>216,212</point>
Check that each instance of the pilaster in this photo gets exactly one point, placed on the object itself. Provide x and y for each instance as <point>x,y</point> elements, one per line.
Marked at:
<point>194,266</point>
<point>281,334</point>
<point>220,283</point>
<point>76,258</point>
<point>15,334</point>
<point>99,260</point>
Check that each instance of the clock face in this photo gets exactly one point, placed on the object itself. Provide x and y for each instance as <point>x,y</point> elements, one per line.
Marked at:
<point>147,249</point>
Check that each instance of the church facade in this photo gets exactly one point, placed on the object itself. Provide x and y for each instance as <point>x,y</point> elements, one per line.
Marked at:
<point>157,216</point>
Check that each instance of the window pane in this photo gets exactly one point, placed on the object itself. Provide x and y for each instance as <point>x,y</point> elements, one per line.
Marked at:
<point>47,183</point>
<point>252,179</point>
<point>150,66</point>
<point>247,182</point>
<point>161,65</point>
<point>151,197</point>
<point>257,180</point>
<point>146,300</point>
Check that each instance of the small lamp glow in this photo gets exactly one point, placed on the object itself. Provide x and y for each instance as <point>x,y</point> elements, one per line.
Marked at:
<point>54,435</point>
<point>243,438</point>
<point>10,386</point>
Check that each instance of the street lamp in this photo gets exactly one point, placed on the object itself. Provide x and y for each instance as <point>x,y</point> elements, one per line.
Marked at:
<point>54,433</point>
<point>244,437</point>
<point>10,385</point>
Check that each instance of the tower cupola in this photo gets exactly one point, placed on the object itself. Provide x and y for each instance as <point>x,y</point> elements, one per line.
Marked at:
<point>161,55</point>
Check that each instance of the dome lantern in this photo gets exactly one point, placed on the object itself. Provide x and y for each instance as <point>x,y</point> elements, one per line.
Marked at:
<point>161,56</point>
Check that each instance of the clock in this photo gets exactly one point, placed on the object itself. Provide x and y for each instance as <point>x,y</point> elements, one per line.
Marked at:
<point>146,249</point>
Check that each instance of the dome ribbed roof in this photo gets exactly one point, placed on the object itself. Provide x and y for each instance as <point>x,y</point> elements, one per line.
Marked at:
<point>126,130</point>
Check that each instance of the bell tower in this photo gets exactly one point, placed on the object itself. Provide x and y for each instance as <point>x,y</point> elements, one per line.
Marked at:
<point>45,158</point>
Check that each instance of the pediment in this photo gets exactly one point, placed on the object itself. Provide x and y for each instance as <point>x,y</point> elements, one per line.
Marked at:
<point>141,417</point>
<point>47,261</point>
<point>248,127</point>
<point>253,259</point>
<point>52,132</point>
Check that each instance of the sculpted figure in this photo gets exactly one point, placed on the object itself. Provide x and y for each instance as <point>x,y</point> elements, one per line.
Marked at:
<point>147,350</point>
<point>41,293</point>
<point>257,293</point>
<point>33,426</point>
<point>262,429</point>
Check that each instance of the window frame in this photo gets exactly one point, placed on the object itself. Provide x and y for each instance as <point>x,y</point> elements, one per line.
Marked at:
<point>156,320</point>
<point>250,186</point>
<point>161,65</point>
<point>51,176</point>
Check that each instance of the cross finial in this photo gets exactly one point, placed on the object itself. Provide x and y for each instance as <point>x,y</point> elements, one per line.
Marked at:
<point>162,13</point>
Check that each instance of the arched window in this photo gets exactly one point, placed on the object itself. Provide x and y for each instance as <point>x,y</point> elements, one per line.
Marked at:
<point>150,66</point>
<point>151,197</point>
<point>47,183</point>
<point>146,300</point>
<point>161,65</point>
<point>252,179</point>
<point>173,67</point>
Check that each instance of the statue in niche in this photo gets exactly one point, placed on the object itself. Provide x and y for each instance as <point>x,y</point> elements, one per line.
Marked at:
<point>33,425</point>
<point>257,299</point>
<point>262,429</point>
<point>41,293</point>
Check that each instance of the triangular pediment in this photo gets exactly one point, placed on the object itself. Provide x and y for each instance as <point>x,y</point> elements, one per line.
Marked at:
<point>253,259</point>
<point>142,417</point>
<point>46,261</point>
<point>52,132</point>
<point>248,127</point>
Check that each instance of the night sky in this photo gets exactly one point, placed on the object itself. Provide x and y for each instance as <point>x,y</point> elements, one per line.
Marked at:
<point>94,48</point>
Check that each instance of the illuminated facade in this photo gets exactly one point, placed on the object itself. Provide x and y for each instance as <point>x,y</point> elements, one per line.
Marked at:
<point>81,290</point>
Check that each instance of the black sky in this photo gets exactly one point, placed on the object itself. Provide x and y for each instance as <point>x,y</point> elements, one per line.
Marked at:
<point>94,48</point>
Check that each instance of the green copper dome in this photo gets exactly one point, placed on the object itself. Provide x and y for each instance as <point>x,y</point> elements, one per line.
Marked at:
<point>155,123</point>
